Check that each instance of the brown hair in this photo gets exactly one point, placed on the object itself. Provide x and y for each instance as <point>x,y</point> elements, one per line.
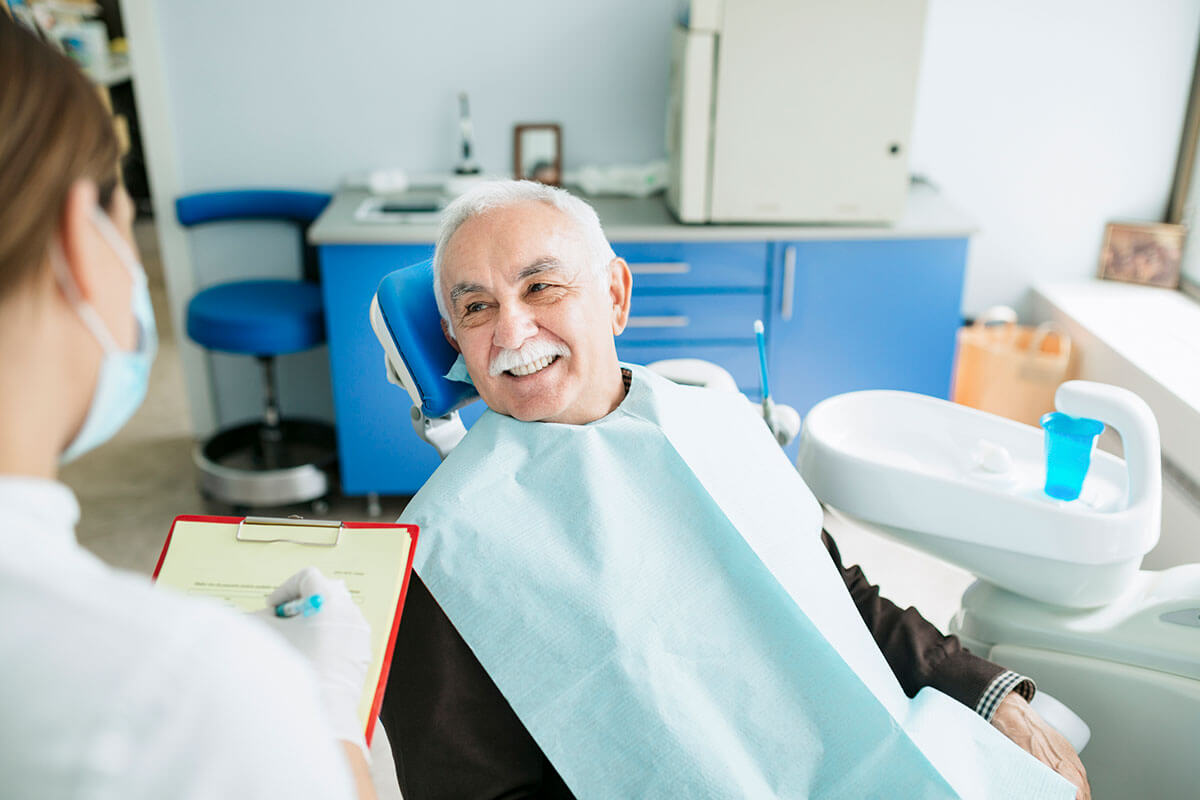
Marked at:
<point>54,130</point>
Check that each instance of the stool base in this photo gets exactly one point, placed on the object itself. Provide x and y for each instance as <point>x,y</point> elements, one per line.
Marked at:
<point>236,467</point>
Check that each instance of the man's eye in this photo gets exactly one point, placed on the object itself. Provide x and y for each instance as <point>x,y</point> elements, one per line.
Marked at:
<point>537,287</point>
<point>473,307</point>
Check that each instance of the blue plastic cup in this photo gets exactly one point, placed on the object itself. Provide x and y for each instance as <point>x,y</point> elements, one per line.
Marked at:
<point>1069,444</point>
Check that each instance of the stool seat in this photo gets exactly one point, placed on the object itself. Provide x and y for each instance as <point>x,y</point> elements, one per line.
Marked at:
<point>258,317</point>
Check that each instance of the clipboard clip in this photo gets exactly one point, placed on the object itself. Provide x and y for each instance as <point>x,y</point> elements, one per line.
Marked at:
<point>269,529</point>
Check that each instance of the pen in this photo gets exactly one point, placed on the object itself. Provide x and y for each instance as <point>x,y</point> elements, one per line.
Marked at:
<point>306,606</point>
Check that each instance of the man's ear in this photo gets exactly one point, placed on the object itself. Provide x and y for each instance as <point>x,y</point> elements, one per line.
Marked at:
<point>449,338</point>
<point>78,238</point>
<point>620,288</point>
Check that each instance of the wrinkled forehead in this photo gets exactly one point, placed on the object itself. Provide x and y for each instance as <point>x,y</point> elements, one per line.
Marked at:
<point>508,245</point>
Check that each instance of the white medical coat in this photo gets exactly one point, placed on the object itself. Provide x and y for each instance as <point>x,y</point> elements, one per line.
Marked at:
<point>110,688</point>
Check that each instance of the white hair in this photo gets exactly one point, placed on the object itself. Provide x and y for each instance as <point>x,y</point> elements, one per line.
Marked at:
<point>492,195</point>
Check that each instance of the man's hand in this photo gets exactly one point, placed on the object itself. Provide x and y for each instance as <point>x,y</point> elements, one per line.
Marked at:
<point>1016,720</point>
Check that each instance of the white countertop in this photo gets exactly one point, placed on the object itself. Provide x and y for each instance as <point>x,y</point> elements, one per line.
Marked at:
<point>1158,330</point>
<point>627,219</point>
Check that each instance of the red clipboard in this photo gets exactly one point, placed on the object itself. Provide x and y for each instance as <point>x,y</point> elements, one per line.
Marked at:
<point>413,532</point>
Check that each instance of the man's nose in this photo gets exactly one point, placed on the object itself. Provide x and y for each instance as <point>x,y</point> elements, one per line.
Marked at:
<point>514,327</point>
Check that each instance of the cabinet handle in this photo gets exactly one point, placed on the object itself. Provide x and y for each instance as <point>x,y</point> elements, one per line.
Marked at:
<point>678,321</point>
<point>661,268</point>
<point>789,282</point>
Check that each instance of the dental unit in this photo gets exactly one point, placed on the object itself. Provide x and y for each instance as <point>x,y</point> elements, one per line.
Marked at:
<point>1059,596</point>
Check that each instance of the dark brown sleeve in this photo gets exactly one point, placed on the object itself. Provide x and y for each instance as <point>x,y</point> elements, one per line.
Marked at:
<point>916,651</point>
<point>453,735</point>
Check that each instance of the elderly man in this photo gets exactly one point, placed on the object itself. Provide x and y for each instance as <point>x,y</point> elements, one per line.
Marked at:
<point>604,605</point>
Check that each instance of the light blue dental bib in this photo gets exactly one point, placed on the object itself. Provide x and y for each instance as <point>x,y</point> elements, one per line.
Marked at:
<point>650,594</point>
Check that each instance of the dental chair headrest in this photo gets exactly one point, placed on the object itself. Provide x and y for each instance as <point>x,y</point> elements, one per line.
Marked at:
<point>405,319</point>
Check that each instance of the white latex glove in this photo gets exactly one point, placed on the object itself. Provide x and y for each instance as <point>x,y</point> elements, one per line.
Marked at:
<point>337,642</point>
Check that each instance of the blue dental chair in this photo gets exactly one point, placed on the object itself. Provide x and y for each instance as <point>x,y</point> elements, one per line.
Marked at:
<point>417,356</point>
<point>275,460</point>
<point>405,319</point>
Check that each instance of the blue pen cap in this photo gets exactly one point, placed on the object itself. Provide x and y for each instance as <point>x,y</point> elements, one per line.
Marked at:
<point>1069,444</point>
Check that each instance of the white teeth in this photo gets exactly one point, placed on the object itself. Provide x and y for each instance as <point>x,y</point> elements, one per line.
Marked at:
<point>532,367</point>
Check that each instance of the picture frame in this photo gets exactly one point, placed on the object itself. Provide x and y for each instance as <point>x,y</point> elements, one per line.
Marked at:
<point>537,152</point>
<point>1148,253</point>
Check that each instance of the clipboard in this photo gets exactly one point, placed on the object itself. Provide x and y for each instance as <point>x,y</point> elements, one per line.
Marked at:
<point>240,560</point>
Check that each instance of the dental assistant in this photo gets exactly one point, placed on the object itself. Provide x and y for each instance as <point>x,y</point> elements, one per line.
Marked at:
<point>110,688</point>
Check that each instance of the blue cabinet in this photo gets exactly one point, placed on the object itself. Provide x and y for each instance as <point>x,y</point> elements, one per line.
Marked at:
<point>863,314</point>
<point>696,300</point>
<point>839,316</point>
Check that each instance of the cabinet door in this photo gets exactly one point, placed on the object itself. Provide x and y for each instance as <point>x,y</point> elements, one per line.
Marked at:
<point>865,314</point>
<point>378,451</point>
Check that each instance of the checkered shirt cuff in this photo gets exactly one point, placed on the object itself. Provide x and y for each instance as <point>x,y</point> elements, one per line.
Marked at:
<point>998,689</point>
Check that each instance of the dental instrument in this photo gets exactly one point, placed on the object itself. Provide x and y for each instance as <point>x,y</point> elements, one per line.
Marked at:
<point>760,339</point>
<point>783,421</point>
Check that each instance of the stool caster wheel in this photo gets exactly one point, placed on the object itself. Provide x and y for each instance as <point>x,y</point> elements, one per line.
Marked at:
<point>373,507</point>
<point>320,507</point>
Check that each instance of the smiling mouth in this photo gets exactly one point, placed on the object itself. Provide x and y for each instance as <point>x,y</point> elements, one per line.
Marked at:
<point>532,367</point>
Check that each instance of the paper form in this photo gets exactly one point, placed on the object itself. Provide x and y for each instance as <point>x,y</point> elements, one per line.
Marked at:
<point>205,559</point>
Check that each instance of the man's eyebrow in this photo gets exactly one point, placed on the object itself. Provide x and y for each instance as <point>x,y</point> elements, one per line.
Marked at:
<point>461,289</point>
<point>543,264</point>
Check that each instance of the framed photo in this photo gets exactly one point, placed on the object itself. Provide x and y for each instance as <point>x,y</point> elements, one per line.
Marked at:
<point>1146,253</point>
<point>537,153</point>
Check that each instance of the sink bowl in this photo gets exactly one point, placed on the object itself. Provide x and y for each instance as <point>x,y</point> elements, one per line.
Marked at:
<point>966,486</point>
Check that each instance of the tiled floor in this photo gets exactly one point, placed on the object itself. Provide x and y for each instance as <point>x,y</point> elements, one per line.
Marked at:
<point>131,488</point>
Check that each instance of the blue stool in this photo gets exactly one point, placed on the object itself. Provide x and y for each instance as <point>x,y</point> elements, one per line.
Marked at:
<point>275,461</point>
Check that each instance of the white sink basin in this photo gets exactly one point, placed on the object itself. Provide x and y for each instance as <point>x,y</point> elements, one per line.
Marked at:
<point>966,486</point>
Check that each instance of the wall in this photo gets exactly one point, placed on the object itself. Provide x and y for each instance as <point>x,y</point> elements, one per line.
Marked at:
<point>272,92</point>
<point>1045,121</point>
<point>1042,120</point>
<point>299,94</point>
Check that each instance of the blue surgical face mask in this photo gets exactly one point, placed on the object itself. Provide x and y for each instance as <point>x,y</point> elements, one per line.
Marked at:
<point>124,375</point>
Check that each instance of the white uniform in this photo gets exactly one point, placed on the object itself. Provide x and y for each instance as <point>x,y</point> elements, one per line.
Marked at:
<point>110,688</point>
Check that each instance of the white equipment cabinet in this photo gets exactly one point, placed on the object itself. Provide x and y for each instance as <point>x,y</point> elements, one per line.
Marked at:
<point>793,110</point>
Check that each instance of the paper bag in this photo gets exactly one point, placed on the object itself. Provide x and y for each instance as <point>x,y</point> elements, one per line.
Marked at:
<point>1009,369</point>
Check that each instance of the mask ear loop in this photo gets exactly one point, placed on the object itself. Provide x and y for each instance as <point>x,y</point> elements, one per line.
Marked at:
<point>117,242</point>
<point>91,319</point>
<point>133,264</point>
